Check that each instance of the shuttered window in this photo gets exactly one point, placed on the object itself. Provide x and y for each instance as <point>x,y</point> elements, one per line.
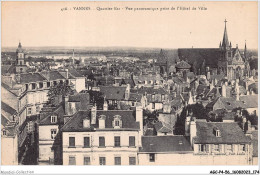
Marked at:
<point>72,160</point>
<point>117,141</point>
<point>86,160</point>
<point>117,160</point>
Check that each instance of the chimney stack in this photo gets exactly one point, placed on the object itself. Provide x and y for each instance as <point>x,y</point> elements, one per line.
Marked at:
<point>139,118</point>
<point>86,122</point>
<point>223,90</point>
<point>93,114</point>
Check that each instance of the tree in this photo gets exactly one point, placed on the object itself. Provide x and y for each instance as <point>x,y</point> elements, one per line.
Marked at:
<point>58,91</point>
<point>97,98</point>
<point>150,117</point>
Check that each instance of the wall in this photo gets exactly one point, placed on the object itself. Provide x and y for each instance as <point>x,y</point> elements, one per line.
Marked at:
<point>9,151</point>
<point>94,151</point>
<point>45,142</point>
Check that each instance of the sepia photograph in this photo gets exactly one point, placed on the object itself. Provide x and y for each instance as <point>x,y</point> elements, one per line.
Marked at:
<point>129,83</point>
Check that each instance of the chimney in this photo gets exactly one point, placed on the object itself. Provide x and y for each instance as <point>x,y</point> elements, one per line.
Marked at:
<point>86,122</point>
<point>127,92</point>
<point>18,78</point>
<point>139,118</point>
<point>66,105</point>
<point>223,90</point>
<point>193,130</point>
<point>93,114</point>
<point>187,125</point>
<point>101,122</point>
<point>211,86</point>
<point>208,75</point>
<point>246,86</point>
<point>105,106</point>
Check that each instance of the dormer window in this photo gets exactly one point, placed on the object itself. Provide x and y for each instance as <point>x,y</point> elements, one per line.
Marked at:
<point>117,123</point>
<point>216,132</point>
<point>53,119</point>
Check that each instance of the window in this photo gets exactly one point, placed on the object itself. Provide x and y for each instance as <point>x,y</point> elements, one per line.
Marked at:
<point>117,123</point>
<point>216,148</point>
<point>133,103</point>
<point>53,119</point>
<point>102,142</point>
<point>132,161</point>
<point>48,84</point>
<point>229,148</point>
<point>71,141</point>
<point>117,160</point>
<point>132,141</point>
<point>102,161</point>
<point>33,86</point>
<point>30,126</point>
<point>86,160</point>
<point>152,157</point>
<point>54,83</point>
<point>217,133</point>
<point>41,85</point>
<point>53,133</point>
<point>203,148</point>
<point>4,132</point>
<point>86,142</point>
<point>72,160</point>
<point>153,105</point>
<point>117,141</point>
<point>29,111</point>
<point>242,147</point>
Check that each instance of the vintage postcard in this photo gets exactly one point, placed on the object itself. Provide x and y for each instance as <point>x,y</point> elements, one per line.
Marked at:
<point>129,83</point>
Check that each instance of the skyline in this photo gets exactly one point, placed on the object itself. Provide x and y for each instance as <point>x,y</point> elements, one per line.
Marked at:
<point>167,29</point>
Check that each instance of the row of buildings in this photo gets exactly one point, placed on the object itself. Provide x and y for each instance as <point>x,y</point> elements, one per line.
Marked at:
<point>133,113</point>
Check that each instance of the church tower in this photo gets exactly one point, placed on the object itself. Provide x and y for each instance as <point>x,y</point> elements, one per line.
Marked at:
<point>226,52</point>
<point>20,60</point>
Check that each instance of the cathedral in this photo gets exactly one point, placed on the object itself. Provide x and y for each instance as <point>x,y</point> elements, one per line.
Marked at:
<point>223,60</point>
<point>231,62</point>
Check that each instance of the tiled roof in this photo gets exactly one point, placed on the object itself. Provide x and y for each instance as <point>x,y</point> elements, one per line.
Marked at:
<point>127,117</point>
<point>157,144</point>
<point>229,133</point>
<point>31,77</point>
<point>113,92</point>
<point>135,97</point>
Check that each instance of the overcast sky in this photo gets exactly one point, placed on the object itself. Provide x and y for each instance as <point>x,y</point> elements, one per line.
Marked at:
<point>44,24</point>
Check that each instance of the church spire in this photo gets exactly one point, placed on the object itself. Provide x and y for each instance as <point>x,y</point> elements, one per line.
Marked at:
<point>225,43</point>
<point>245,50</point>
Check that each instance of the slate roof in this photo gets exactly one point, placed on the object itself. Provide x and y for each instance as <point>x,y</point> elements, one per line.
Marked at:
<point>210,55</point>
<point>8,109</point>
<point>163,127</point>
<point>255,143</point>
<point>59,111</point>
<point>157,144</point>
<point>52,75</point>
<point>113,92</point>
<point>127,117</point>
<point>230,133</point>
<point>75,73</point>
<point>31,77</point>
<point>249,101</point>
<point>135,97</point>
<point>183,65</point>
